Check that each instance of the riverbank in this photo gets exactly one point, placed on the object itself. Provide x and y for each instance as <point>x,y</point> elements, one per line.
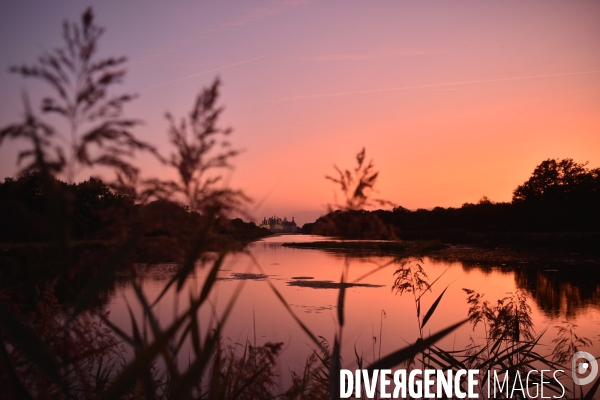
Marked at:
<point>506,257</point>
<point>372,246</point>
<point>485,256</point>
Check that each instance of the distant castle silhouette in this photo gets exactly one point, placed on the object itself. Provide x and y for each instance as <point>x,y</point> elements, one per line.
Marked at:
<point>275,224</point>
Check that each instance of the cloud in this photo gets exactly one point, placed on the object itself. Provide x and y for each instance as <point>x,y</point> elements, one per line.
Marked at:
<point>511,105</point>
<point>161,52</point>
<point>373,56</point>
<point>258,14</point>
<point>252,15</point>
<point>255,14</point>
<point>433,85</point>
<point>201,73</point>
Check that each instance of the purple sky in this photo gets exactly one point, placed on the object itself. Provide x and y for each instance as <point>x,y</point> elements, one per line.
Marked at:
<point>453,100</point>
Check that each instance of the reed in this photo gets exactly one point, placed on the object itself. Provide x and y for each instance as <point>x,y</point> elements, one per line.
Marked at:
<point>66,351</point>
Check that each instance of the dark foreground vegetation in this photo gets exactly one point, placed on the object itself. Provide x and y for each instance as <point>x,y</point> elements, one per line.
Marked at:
<point>96,218</point>
<point>95,212</point>
<point>67,242</point>
<point>558,208</point>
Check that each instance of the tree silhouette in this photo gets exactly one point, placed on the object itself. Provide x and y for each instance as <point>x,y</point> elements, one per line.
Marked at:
<point>559,181</point>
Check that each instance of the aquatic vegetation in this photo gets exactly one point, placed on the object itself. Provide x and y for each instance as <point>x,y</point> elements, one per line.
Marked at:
<point>329,284</point>
<point>73,350</point>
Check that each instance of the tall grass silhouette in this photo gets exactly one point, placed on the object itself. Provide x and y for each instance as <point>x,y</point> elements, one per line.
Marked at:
<point>71,350</point>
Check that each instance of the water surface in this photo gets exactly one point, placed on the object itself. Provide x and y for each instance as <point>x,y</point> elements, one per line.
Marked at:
<point>377,320</point>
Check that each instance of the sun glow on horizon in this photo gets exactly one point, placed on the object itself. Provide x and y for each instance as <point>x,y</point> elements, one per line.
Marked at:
<point>453,101</point>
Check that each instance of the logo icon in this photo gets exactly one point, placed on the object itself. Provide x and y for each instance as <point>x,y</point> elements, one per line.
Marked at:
<point>582,363</point>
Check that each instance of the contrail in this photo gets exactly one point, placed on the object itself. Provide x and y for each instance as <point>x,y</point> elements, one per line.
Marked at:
<point>311,96</point>
<point>201,73</point>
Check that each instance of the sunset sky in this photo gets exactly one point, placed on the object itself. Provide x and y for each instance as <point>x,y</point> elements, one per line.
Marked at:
<point>452,100</point>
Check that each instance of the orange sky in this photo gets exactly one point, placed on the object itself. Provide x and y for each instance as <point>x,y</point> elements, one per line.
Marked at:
<point>453,100</point>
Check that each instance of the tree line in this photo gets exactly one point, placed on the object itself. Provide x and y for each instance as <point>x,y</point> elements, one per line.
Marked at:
<point>559,203</point>
<point>96,212</point>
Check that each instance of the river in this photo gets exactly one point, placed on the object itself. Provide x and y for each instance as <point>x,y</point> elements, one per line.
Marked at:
<point>377,320</point>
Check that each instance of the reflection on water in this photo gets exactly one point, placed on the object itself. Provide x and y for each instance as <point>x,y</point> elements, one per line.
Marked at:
<point>560,293</point>
<point>258,314</point>
<point>560,290</point>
